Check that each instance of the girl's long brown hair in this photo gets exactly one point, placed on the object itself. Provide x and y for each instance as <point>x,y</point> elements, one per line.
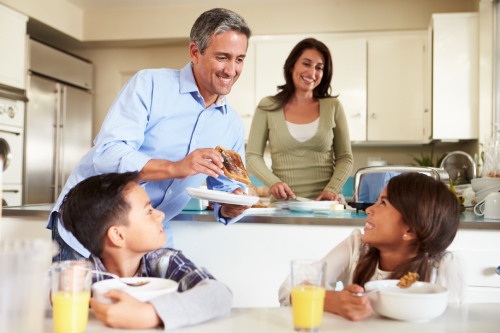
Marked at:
<point>323,90</point>
<point>430,210</point>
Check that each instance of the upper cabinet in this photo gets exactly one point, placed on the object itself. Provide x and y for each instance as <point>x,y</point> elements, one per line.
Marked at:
<point>13,46</point>
<point>455,76</point>
<point>396,87</point>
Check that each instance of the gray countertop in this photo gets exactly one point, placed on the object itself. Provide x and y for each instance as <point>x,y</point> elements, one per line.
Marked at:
<point>468,220</point>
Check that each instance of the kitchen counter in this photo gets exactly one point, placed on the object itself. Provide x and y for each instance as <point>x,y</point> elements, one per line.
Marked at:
<point>468,220</point>
<point>457,318</point>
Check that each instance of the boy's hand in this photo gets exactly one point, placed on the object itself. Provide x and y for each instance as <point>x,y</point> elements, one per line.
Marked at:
<point>125,312</point>
<point>348,306</point>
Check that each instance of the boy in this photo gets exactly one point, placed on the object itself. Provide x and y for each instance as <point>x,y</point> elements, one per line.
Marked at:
<point>111,215</point>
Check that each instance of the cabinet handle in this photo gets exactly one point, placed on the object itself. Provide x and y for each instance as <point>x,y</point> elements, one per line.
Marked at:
<point>426,110</point>
<point>498,270</point>
<point>10,191</point>
<point>10,132</point>
<point>357,115</point>
<point>374,115</point>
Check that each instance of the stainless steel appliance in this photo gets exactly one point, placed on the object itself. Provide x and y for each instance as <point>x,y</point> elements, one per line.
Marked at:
<point>58,122</point>
<point>12,103</point>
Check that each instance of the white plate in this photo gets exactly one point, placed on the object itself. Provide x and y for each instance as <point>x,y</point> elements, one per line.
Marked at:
<point>309,206</point>
<point>155,288</point>
<point>261,210</point>
<point>223,197</point>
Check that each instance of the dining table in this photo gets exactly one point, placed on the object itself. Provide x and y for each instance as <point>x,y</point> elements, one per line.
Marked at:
<point>475,317</point>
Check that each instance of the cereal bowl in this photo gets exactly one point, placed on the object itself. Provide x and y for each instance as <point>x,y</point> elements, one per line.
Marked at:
<point>480,184</point>
<point>422,301</point>
<point>156,287</point>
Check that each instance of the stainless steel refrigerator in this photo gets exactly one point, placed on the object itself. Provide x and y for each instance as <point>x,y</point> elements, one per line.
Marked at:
<point>58,122</point>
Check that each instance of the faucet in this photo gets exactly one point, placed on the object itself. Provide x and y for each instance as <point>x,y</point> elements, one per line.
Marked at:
<point>471,160</point>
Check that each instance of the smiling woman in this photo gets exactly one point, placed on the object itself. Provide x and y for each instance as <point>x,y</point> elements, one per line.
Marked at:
<point>306,128</point>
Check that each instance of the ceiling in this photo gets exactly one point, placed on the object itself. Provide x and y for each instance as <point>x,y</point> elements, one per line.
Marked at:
<point>109,4</point>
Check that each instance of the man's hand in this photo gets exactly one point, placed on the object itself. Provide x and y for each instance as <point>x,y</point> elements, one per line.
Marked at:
<point>229,210</point>
<point>328,195</point>
<point>207,161</point>
<point>281,190</point>
<point>127,312</point>
<point>350,307</point>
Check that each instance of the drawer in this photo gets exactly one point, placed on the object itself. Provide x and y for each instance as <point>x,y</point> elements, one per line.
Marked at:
<point>481,268</point>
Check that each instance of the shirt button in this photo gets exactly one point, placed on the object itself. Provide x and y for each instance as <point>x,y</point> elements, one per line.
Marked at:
<point>201,116</point>
<point>194,141</point>
<point>170,192</point>
<point>199,95</point>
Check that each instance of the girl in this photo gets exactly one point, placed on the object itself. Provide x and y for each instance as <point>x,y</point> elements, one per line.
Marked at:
<point>407,230</point>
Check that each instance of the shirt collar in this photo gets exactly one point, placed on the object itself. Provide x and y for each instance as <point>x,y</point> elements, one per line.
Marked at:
<point>99,267</point>
<point>188,85</point>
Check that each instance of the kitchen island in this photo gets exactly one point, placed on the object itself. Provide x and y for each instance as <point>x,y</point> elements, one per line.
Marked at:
<point>253,256</point>
<point>457,318</point>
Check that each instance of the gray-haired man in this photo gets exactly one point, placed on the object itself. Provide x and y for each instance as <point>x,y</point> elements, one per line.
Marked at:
<point>166,123</point>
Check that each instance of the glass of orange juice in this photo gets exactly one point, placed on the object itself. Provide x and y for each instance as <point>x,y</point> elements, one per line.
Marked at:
<point>71,280</point>
<point>308,294</point>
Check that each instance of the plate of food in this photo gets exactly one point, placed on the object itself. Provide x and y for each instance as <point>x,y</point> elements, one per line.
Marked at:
<point>221,197</point>
<point>299,206</point>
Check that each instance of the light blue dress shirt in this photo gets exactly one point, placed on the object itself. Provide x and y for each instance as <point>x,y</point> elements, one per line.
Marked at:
<point>373,184</point>
<point>159,114</point>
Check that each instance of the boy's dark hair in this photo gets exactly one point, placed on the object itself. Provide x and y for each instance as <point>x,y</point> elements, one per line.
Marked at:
<point>94,205</point>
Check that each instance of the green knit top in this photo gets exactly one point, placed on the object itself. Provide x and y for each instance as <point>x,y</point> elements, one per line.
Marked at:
<point>321,163</point>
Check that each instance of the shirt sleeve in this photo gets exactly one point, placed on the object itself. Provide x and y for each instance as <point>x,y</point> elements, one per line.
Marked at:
<point>257,140</point>
<point>340,263</point>
<point>122,132</point>
<point>452,274</point>
<point>342,150</point>
<point>184,271</point>
<point>209,299</point>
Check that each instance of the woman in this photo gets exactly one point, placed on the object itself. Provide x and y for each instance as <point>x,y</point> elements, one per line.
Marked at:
<point>306,128</point>
<point>408,229</point>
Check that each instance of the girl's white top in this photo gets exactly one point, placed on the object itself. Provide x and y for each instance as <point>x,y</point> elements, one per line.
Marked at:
<point>448,271</point>
<point>303,132</point>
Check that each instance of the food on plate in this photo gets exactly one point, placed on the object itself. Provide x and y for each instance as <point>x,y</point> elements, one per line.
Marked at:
<point>252,191</point>
<point>408,280</point>
<point>336,207</point>
<point>233,166</point>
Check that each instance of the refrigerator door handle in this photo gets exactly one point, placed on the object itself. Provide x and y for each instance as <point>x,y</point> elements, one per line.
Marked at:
<point>57,143</point>
<point>63,138</point>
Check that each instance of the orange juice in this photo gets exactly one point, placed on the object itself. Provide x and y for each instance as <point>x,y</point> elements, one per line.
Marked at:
<point>307,302</point>
<point>71,311</point>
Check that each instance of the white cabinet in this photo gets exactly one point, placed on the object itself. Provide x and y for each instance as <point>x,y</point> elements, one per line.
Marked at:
<point>396,78</point>
<point>455,76</point>
<point>13,47</point>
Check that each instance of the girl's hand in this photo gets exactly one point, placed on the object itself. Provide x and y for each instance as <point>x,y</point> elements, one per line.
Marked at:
<point>281,190</point>
<point>350,307</point>
<point>124,313</point>
<point>328,195</point>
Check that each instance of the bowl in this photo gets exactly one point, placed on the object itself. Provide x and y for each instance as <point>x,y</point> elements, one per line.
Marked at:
<point>420,302</point>
<point>479,184</point>
<point>481,195</point>
<point>156,287</point>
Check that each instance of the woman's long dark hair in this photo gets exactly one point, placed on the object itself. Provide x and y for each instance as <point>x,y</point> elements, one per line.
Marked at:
<point>323,90</point>
<point>430,210</point>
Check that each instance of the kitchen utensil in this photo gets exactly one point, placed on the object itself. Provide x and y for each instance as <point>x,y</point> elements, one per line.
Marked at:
<point>489,207</point>
<point>222,197</point>
<point>156,287</point>
<point>123,280</point>
<point>422,302</point>
<point>381,288</point>
<point>481,195</point>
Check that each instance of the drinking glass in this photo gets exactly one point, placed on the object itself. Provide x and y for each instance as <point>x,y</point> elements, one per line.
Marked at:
<point>308,294</point>
<point>71,280</point>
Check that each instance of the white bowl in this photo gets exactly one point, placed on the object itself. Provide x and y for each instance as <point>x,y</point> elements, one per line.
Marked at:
<point>484,193</point>
<point>479,184</point>
<point>156,287</point>
<point>420,302</point>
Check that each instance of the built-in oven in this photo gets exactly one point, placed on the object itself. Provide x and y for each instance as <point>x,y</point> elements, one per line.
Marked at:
<point>12,104</point>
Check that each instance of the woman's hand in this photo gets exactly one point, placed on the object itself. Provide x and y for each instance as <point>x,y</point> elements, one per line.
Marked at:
<point>350,307</point>
<point>281,190</point>
<point>124,313</point>
<point>328,195</point>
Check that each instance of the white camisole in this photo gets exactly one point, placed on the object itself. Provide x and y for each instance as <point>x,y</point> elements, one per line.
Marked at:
<point>303,132</point>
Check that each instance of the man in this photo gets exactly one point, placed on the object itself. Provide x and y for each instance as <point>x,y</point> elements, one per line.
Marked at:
<point>165,123</point>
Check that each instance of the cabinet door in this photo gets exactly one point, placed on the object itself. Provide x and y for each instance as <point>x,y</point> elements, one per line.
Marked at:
<point>13,46</point>
<point>396,88</point>
<point>242,96</point>
<point>349,76</point>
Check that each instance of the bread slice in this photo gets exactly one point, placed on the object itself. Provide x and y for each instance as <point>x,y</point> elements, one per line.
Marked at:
<point>233,166</point>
